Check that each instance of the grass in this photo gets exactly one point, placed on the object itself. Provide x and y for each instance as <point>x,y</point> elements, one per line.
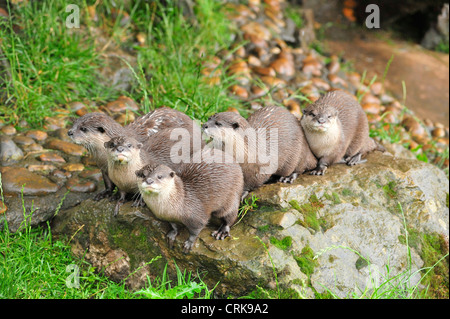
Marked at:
<point>35,266</point>
<point>49,64</point>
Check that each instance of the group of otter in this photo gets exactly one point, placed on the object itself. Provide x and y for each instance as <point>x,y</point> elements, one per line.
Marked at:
<point>142,159</point>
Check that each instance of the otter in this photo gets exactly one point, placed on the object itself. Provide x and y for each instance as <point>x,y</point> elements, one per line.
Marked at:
<point>190,195</point>
<point>125,155</point>
<point>337,131</point>
<point>92,130</point>
<point>231,132</point>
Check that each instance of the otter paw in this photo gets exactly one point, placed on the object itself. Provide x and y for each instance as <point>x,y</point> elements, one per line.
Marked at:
<point>288,179</point>
<point>222,233</point>
<point>318,171</point>
<point>171,238</point>
<point>187,246</point>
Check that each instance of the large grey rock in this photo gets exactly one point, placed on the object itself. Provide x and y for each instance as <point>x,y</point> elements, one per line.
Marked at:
<point>348,216</point>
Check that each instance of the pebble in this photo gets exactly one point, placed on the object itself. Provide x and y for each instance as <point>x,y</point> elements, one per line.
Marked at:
<point>3,207</point>
<point>125,118</point>
<point>52,123</point>
<point>8,130</point>
<point>438,132</point>
<point>239,91</point>
<point>37,135</point>
<point>73,167</point>
<point>272,81</point>
<point>312,66</point>
<point>413,126</point>
<point>66,147</point>
<point>283,66</point>
<point>23,140</point>
<point>41,168</point>
<point>62,174</point>
<point>264,70</point>
<point>51,157</point>
<point>93,174</point>
<point>122,104</point>
<point>81,186</point>
<point>334,66</point>
<point>33,147</point>
<point>13,178</point>
<point>334,79</point>
<point>9,151</point>
<point>372,108</point>
<point>256,30</point>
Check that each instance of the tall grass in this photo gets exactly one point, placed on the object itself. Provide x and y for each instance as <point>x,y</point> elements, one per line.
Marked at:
<point>50,64</point>
<point>171,67</point>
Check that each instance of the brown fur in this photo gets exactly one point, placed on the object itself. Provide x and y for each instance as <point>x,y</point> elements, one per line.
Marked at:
<point>192,193</point>
<point>94,129</point>
<point>156,150</point>
<point>337,130</point>
<point>294,156</point>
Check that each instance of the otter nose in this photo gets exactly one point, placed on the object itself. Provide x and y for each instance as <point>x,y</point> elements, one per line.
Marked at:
<point>149,181</point>
<point>120,149</point>
<point>70,133</point>
<point>321,120</point>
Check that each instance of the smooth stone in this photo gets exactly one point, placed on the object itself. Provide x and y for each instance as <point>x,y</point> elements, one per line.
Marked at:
<point>8,130</point>
<point>73,167</point>
<point>51,157</point>
<point>23,140</point>
<point>41,168</point>
<point>122,104</point>
<point>37,135</point>
<point>9,151</point>
<point>14,178</point>
<point>66,147</point>
<point>77,185</point>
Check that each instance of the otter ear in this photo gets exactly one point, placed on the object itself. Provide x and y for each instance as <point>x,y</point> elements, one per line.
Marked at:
<point>172,174</point>
<point>107,144</point>
<point>139,173</point>
<point>139,145</point>
<point>235,125</point>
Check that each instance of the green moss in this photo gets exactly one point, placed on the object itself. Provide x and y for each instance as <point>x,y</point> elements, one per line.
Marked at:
<point>361,263</point>
<point>283,244</point>
<point>262,293</point>
<point>413,238</point>
<point>433,249</point>
<point>447,200</point>
<point>346,192</point>
<point>389,190</point>
<point>309,212</point>
<point>334,198</point>
<point>305,261</point>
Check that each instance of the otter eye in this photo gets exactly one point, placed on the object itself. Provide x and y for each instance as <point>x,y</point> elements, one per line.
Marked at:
<point>312,114</point>
<point>330,116</point>
<point>101,129</point>
<point>218,123</point>
<point>159,176</point>
<point>83,129</point>
<point>129,145</point>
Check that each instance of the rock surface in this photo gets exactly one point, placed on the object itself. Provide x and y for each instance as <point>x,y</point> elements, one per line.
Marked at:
<point>350,208</point>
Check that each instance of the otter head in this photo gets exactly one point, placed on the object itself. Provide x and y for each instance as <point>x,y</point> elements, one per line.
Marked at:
<point>224,127</point>
<point>319,118</point>
<point>155,180</point>
<point>92,130</point>
<point>122,150</point>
